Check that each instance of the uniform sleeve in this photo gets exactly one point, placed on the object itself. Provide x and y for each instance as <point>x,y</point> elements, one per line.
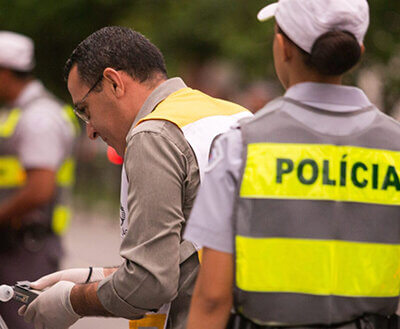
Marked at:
<point>45,137</point>
<point>149,277</point>
<point>210,222</point>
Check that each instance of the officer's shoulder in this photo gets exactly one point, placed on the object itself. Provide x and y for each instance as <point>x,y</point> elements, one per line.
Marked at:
<point>393,123</point>
<point>155,126</point>
<point>232,136</point>
<point>41,110</point>
<point>43,106</point>
<point>226,146</point>
<point>269,109</point>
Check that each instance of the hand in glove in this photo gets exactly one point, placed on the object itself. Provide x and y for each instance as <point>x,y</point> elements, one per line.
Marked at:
<point>52,309</point>
<point>75,275</point>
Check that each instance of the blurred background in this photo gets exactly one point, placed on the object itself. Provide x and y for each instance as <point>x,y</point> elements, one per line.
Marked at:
<point>216,46</point>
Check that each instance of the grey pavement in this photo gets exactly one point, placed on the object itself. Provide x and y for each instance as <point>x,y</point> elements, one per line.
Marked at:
<point>93,240</point>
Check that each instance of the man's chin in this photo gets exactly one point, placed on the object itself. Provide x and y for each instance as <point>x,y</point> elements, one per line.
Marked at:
<point>118,150</point>
<point>105,140</point>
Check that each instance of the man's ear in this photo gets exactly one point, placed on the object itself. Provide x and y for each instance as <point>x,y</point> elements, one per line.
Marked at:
<point>115,80</point>
<point>286,48</point>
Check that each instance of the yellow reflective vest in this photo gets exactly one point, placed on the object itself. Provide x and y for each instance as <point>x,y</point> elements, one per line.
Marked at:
<point>13,176</point>
<point>317,224</point>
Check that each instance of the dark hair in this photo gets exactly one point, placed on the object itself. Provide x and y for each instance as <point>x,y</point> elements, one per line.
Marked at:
<point>333,53</point>
<point>119,48</point>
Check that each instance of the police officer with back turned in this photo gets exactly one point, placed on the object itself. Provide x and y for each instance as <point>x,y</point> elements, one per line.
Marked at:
<point>309,232</point>
<point>36,170</point>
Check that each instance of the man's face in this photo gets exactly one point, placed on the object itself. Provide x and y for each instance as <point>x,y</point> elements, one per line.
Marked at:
<point>7,81</point>
<point>101,110</point>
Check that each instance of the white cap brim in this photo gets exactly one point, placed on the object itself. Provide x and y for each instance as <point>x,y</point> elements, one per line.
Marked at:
<point>267,12</point>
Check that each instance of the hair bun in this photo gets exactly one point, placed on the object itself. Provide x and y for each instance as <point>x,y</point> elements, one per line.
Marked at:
<point>334,53</point>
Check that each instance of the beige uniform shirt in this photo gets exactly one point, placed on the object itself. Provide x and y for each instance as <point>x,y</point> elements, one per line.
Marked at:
<point>163,179</point>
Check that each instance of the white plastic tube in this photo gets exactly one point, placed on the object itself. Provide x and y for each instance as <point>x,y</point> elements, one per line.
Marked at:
<point>6,293</point>
<point>2,324</point>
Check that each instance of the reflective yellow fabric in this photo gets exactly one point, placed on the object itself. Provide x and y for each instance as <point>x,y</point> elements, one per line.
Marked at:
<point>321,172</point>
<point>66,173</point>
<point>62,214</point>
<point>320,267</point>
<point>201,106</point>
<point>7,127</point>
<point>149,321</point>
<point>12,174</point>
<point>61,219</point>
<point>69,115</point>
<point>200,255</point>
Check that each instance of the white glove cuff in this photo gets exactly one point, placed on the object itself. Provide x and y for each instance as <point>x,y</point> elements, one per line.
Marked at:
<point>95,274</point>
<point>67,299</point>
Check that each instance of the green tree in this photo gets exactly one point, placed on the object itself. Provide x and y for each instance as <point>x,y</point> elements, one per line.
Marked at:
<point>192,31</point>
<point>57,27</point>
<point>187,31</point>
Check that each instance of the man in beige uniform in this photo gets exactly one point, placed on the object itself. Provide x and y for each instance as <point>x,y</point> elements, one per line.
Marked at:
<point>164,131</point>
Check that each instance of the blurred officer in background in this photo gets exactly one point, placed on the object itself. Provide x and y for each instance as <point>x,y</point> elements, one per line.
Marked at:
<point>309,232</point>
<point>163,129</point>
<point>36,170</point>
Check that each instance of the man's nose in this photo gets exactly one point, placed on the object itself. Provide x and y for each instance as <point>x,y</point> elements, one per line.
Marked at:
<point>90,131</point>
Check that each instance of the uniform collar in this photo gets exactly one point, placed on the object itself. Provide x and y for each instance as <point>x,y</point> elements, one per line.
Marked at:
<point>31,90</point>
<point>157,96</point>
<point>330,97</point>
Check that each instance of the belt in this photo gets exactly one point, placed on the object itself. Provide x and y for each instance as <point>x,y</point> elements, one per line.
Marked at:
<point>368,321</point>
<point>32,237</point>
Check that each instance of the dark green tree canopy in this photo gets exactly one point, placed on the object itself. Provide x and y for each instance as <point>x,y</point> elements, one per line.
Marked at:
<point>186,31</point>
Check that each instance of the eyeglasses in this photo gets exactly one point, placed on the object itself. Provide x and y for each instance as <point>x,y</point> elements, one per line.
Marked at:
<point>80,112</point>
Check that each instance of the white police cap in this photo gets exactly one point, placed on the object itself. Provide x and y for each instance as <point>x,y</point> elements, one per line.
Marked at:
<point>16,51</point>
<point>303,21</point>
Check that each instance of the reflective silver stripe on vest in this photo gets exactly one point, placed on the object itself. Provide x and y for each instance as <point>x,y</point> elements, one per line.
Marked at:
<point>313,221</point>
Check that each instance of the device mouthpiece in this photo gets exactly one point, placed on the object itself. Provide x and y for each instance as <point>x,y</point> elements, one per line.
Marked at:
<point>6,293</point>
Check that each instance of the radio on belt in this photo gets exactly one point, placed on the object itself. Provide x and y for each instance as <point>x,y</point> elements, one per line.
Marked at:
<point>20,292</point>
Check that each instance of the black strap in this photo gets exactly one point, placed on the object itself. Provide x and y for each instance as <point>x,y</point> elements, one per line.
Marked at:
<point>90,274</point>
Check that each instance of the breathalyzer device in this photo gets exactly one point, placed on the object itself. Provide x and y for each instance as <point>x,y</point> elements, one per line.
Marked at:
<point>21,292</point>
